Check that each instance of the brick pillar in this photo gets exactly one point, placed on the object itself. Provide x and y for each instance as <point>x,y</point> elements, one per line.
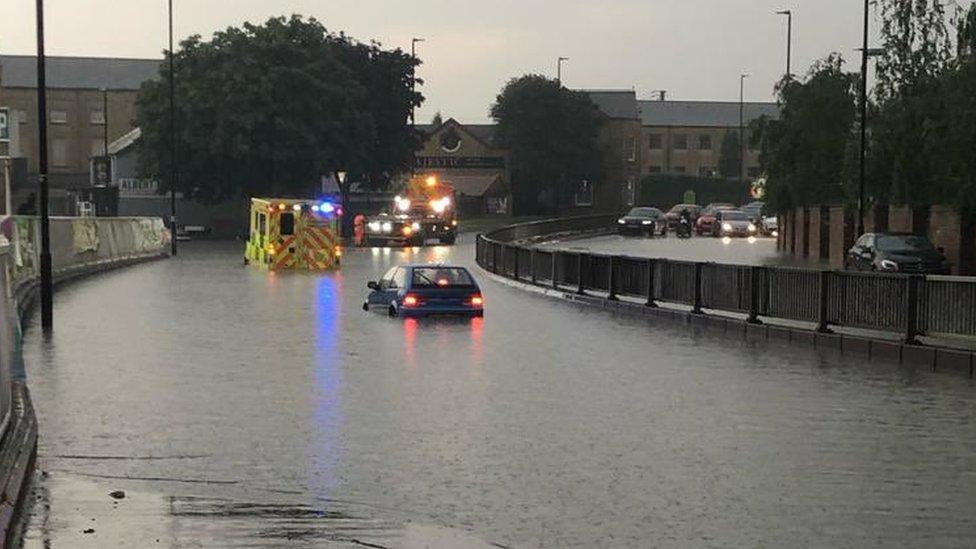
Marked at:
<point>839,235</point>
<point>813,235</point>
<point>900,219</point>
<point>945,231</point>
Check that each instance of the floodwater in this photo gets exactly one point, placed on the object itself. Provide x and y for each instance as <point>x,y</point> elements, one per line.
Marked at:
<point>238,408</point>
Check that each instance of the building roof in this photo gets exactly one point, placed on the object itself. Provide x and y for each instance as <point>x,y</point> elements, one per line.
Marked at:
<point>124,142</point>
<point>20,71</point>
<point>718,114</point>
<point>475,185</point>
<point>615,103</point>
<point>484,132</point>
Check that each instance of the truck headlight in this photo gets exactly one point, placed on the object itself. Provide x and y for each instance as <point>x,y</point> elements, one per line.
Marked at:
<point>415,226</point>
<point>374,226</point>
<point>387,227</point>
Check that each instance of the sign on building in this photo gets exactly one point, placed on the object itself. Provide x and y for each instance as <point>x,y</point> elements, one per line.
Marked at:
<point>4,124</point>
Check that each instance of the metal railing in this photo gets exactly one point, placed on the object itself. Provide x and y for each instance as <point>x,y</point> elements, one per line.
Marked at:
<point>913,305</point>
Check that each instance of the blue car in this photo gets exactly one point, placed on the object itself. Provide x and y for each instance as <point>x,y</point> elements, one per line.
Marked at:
<point>421,290</point>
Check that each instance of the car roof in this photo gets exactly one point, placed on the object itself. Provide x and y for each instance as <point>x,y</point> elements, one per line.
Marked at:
<point>432,266</point>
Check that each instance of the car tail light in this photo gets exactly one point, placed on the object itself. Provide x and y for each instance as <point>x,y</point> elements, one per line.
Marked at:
<point>477,301</point>
<point>411,301</point>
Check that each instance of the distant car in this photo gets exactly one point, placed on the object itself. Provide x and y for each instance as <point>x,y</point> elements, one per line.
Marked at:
<point>401,230</point>
<point>643,220</point>
<point>897,253</point>
<point>754,210</point>
<point>674,214</point>
<point>769,225</point>
<point>703,225</point>
<point>733,223</point>
<point>421,290</point>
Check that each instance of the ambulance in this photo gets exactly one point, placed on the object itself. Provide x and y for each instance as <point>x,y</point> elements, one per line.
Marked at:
<point>294,234</point>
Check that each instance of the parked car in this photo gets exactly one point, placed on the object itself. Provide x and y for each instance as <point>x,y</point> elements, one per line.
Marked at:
<point>675,213</point>
<point>421,290</point>
<point>896,252</point>
<point>643,220</point>
<point>703,225</point>
<point>733,223</point>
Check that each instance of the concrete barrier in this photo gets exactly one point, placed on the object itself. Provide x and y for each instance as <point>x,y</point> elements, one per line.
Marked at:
<point>79,246</point>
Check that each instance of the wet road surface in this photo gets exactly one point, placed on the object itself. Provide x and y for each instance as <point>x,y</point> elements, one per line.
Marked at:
<point>242,409</point>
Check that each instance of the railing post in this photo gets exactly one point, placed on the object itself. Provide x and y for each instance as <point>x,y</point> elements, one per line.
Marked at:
<point>651,266</point>
<point>912,297</point>
<point>754,288</point>
<point>555,270</point>
<point>612,282</point>
<point>515,273</point>
<point>580,289</point>
<point>824,300</point>
<point>532,262</point>
<point>697,305</point>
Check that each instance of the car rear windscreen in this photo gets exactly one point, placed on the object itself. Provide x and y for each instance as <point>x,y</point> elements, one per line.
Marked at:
<point>441,277</point>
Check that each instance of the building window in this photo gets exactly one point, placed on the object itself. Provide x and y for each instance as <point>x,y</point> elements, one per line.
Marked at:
<point>584,194</point>
<point>59,117</point>
<point>680,142</point>
<point>98,118</point>
<point>679,169</point>
<point>654,169</point>
<point>59,153</point>
<point>655,141</point>
<point>705,142</point>
<point>706,171</point>
<point>630,149</point>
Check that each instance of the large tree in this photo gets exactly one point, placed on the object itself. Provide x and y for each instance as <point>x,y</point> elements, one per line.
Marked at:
<point>730,155</point>
<point>269,109</point>
<point>552,134</point>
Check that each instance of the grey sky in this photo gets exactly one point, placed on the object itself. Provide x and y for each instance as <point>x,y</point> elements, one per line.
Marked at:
<point>695,49</point>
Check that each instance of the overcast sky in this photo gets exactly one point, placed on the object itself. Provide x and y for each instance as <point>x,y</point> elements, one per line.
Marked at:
<point>695,49</point>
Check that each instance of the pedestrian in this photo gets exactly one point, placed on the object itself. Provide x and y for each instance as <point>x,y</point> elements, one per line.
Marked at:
<point>359,229</point>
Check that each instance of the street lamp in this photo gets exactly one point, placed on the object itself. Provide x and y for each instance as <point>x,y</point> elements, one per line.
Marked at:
<point>47,287</point>
<point>862,176</point>
<point>559,70</point>
<point>789,40</point>
<point>413,79</point>
<point>742,134</point>
<point>172,138</point>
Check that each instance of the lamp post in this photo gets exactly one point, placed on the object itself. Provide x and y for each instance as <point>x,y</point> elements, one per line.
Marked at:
<point>559,70</point>
<point>105,121</point>
<point>413,79</point>
<point>742,134</point>
<point>789,40</point>
<point>47,303</point>
<point>864,125</point>
<point>172,138</point>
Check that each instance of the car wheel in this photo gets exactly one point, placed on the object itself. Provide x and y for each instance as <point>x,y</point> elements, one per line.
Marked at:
<point>392,311</point>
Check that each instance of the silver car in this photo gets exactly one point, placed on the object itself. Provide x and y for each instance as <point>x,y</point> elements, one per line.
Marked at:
<point>733,223</point>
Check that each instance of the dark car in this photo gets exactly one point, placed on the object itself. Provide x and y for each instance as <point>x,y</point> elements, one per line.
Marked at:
<point>643,220</point>
<point>733,223</point>
<point>674,214</point>
<point>421,290</point>
<point>401,230</point>
<point>896,253</point>
<point>703,225</point>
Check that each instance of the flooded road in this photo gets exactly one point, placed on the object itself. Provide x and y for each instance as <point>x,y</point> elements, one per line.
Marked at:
<point>238,408</point>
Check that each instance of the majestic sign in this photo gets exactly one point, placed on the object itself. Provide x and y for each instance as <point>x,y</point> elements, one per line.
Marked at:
<point>462,162</point>
<point>4,124</point>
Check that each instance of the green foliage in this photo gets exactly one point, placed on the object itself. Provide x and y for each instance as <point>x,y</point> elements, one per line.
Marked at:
<point>437,120</point>
<point>268,109</point>
<point>551,133</point>
<point>803,152</point>
<point>730,155</point>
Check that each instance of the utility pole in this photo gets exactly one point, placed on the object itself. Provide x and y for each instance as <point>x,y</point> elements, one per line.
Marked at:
<point>742,128</point>
<point>789,40</point>
<point>47,286</point>
<point>864,124</point>
<point>413,80</point>
<point>172,138</point>
<point>559,70</point>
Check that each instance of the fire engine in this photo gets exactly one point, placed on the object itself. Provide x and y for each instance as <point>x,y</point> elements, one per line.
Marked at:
<point>426,209</point>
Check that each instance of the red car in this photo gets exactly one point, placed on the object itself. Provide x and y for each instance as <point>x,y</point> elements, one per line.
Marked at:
<point>705,221</point>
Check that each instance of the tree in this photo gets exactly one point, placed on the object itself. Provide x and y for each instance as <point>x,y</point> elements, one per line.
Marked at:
<point>551,133</point>
<point>269,109</point>
<point>437,121</point>
<point>729,156</point>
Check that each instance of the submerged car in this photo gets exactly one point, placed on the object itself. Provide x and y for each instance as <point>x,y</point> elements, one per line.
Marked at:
<point>896,253</point>
<point>422,290</point>
<point>643,220</point>
<point>733,223</point>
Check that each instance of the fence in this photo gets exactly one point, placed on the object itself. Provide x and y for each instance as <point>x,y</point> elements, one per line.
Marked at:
<point>913,305</point>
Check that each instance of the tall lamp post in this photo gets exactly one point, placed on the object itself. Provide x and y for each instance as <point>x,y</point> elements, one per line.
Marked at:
<point>413,79</point>
<point>105,121</point>
<point>864,124</point>
<point>742,129</point>
<point>47,303</point>
<point>559,70</point>
<point>789,40</point>
<point>172,137</point>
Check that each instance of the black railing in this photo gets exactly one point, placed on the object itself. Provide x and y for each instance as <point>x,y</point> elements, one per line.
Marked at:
<point>913,305</point>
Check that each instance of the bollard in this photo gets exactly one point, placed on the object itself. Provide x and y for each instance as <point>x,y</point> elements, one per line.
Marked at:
<point>824,295</point>
<point>532,261</point>
<point>754,288</point>
<point>697,305</point>
<point>580,289</point>
<point>651,265</point>
<point>913,286</point>
<point>612,282</point>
